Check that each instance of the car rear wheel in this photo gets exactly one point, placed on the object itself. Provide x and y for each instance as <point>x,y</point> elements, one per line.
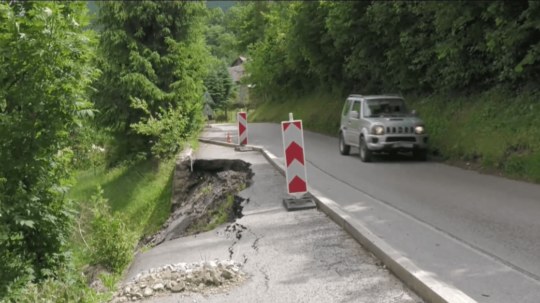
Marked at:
<point>344,149</point>
<point>365,153</point>
<point>420,155</point>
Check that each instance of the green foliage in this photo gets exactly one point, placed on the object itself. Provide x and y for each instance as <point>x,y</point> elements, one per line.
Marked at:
<point>207,189</point>
<point>112,243</point>
<point>219,39</point>
<point>69,287</point>
<point>137,191</point>
<point>219,84</point>
<point>44,78</point>
<point>374,47</point>
<point>88,144</point>
<point>153,61</point>
<point>496,127</point>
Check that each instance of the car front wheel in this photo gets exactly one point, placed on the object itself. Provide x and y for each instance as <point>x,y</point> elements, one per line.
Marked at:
<point>344,149</point>
<point>365,153</point>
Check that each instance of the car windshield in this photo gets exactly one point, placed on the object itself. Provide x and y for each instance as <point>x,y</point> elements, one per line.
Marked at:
<point>385,108</point>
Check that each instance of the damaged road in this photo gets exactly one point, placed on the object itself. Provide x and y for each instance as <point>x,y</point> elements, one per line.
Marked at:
<point>286,256</point>
<point>198,194</point>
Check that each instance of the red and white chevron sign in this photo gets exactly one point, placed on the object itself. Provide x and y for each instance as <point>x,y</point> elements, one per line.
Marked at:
<point>293,143</point>
<point>242,129</point>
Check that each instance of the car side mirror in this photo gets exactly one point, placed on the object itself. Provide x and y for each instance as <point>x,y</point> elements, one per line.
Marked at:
<point>414,113</point>
<point>354,114</point>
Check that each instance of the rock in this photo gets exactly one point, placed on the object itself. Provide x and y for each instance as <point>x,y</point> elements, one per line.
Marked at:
<point>158,287</point>
<point>127,290</point>
<point>207,278</point>
<point>119,300</point>
<point>148,292</point>
<point>142,286</point>
<point>178,287</point>
<point>98,286</point>
<point>215,279</point>
<point>93,272</point>
<point>235,269</point>
<point>167,274</point>
<point>227,274</point>
<point>210,264</point>
<point>136,296</point>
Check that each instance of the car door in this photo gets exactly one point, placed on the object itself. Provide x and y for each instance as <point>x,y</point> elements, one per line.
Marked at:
<point>345,118</point>
<point>353,126</point>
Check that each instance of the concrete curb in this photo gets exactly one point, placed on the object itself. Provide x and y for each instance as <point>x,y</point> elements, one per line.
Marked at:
<point>421,282</point>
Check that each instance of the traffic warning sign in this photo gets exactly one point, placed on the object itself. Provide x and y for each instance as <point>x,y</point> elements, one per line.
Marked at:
<point>293,144</point>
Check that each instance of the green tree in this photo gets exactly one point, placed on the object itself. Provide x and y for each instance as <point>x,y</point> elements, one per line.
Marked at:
<point>376,47</point>
<point>44,74</point>
<point>219,84</point>
<point>153,63</point>
<point>219,39</point>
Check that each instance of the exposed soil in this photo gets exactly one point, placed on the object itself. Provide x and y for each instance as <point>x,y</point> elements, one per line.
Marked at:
<point>209,189</point>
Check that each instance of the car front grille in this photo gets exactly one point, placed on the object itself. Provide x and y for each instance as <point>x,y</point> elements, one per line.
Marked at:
<point>400,139</point>
<point>400,130</point>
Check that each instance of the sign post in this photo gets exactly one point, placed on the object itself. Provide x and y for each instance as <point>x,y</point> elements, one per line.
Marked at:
<point>207,111</point>
<point>295,171</point>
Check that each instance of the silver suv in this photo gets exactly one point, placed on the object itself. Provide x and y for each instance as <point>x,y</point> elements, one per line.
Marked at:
<point>381,123</point>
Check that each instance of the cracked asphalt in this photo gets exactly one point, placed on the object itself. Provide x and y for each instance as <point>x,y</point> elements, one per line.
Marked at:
<point>298,256</point>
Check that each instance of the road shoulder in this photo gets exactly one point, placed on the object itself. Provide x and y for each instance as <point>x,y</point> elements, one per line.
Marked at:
<point>290,256</point>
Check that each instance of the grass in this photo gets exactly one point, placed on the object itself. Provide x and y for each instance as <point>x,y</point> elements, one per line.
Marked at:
<point>319,112</point>
<point>497,129</point>
<point>221,214</point>
<point>207,189</point>
<point>141,195</point>
<point>135,192</point>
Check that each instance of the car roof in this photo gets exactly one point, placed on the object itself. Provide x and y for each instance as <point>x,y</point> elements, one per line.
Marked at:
<point>395,96</point>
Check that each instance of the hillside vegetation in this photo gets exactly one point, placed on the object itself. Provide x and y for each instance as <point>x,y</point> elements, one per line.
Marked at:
<point>91,118</point>
<point>470,68</point>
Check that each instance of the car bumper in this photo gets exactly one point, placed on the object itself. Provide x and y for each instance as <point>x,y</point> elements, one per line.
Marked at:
<point>397,143</point>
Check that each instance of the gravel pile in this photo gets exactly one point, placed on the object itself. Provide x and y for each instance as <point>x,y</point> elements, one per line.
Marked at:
<point>206,277</point>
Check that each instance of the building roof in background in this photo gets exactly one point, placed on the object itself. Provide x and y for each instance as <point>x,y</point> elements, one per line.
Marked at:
<point>208,99</point>
<point>236,72</point>
<point>239,61</point>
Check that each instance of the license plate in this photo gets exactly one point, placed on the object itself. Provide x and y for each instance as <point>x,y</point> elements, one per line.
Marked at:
<point>405,145</point>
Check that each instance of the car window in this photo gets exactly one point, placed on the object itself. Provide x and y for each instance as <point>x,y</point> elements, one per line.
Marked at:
<point>385,108</point>
<point>346,107</point>
<point>356,106</point>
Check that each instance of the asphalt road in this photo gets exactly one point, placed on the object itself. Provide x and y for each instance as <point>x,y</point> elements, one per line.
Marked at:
<point>290,256</point>
<point>496,216</point>
<point>500,217</point>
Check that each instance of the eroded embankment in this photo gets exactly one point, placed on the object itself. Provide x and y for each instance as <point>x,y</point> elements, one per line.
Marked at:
<point>203,198</point>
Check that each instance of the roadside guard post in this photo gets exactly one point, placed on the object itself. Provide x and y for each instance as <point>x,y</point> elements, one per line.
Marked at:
<point>242,128</point>
<point>295,171</point>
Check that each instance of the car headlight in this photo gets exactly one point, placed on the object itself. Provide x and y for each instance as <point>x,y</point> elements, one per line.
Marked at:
<point>419,130</point>
<point>377,130</point>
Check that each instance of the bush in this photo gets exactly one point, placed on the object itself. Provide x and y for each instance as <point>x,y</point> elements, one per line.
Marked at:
<point>112,243</point>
